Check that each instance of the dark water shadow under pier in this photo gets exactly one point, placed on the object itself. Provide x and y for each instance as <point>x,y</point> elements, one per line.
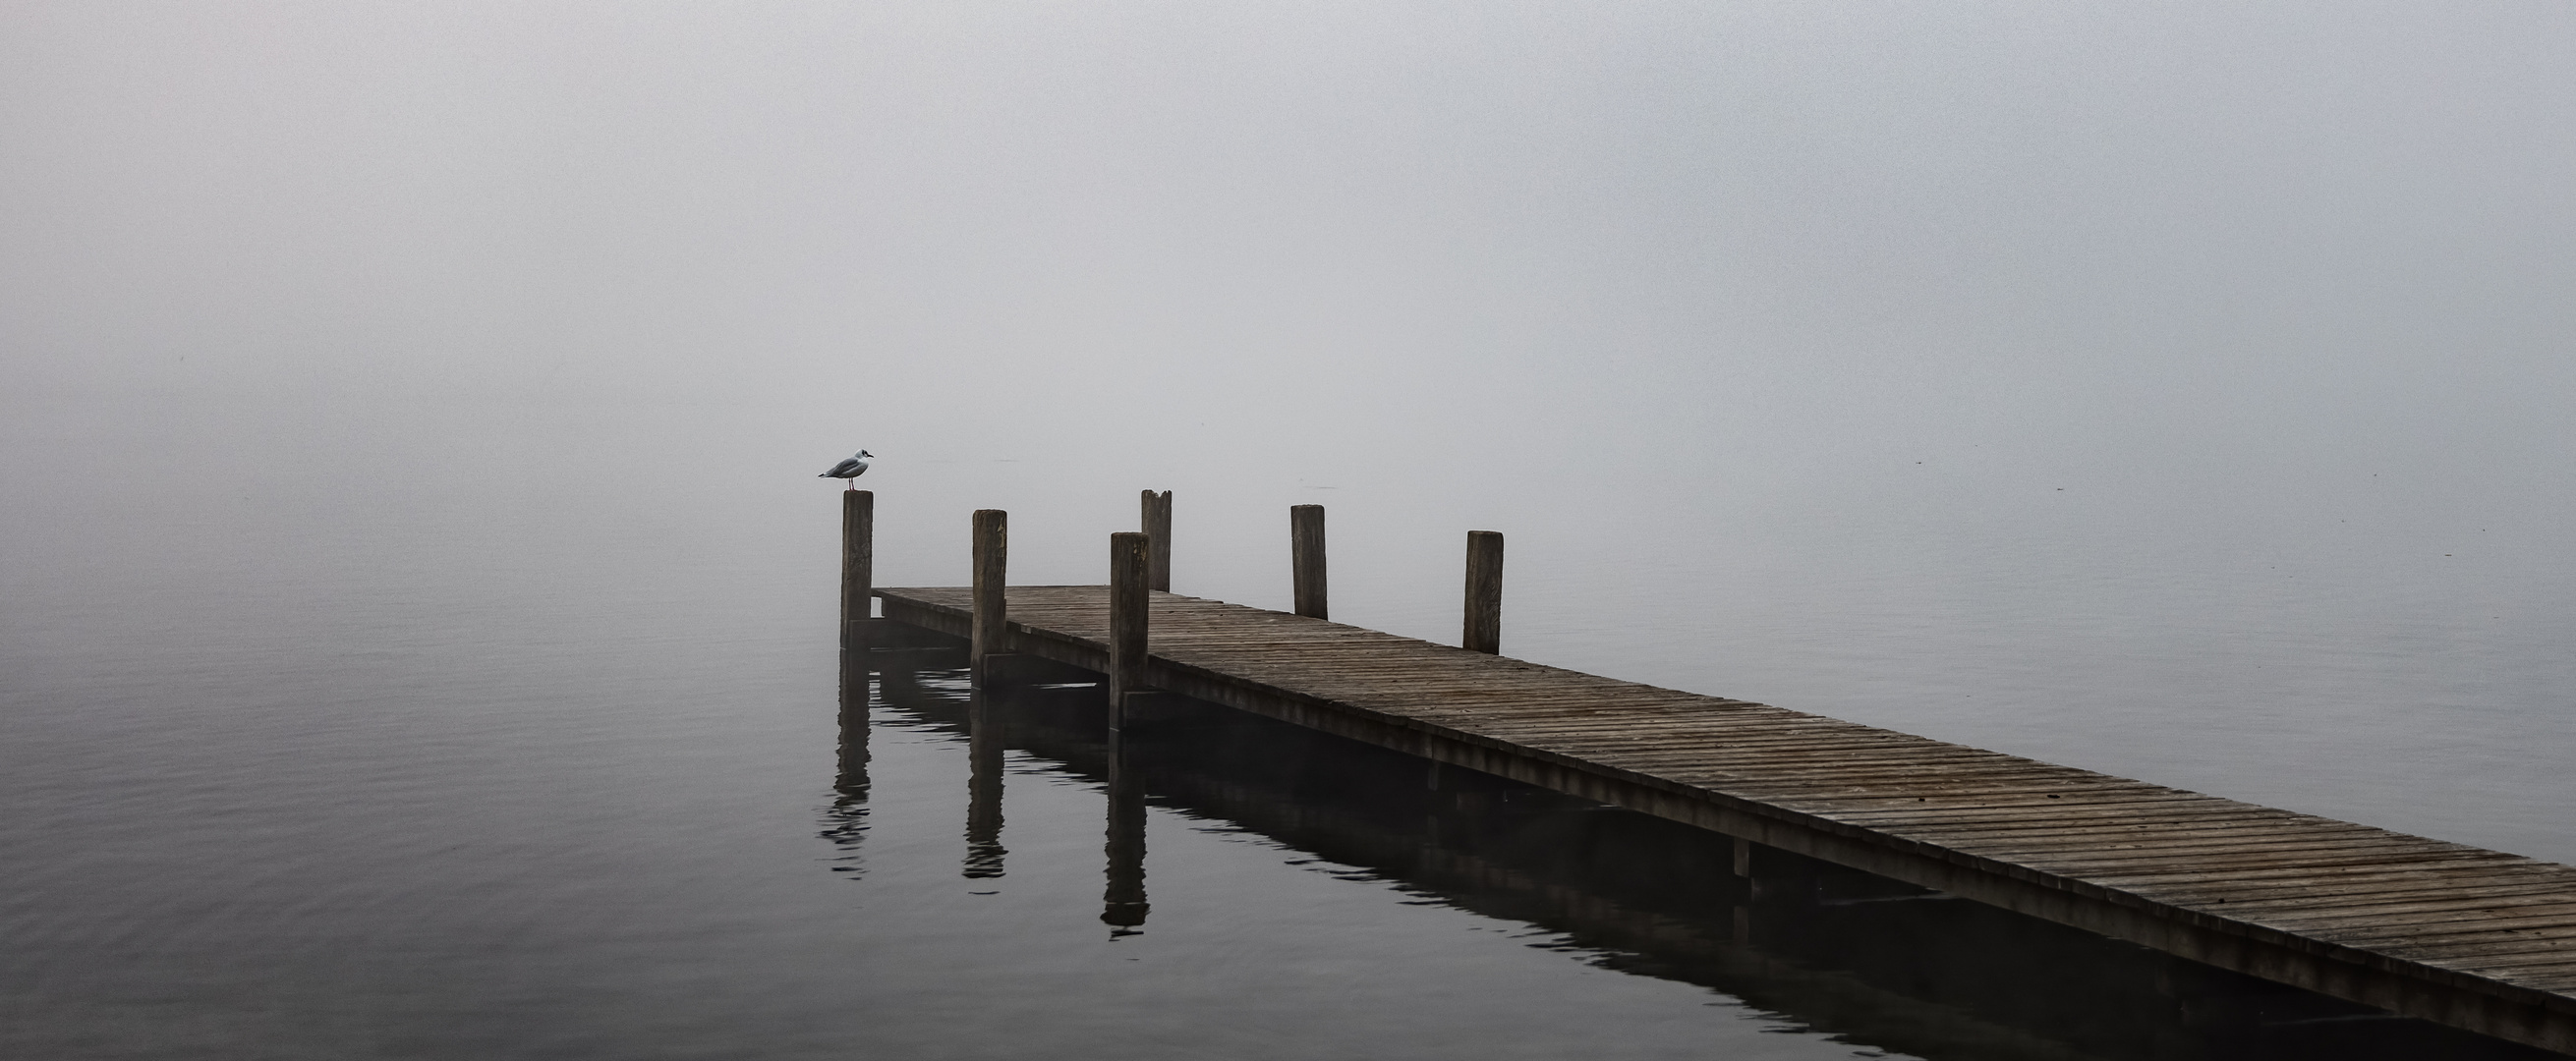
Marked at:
<point>1863,958</point>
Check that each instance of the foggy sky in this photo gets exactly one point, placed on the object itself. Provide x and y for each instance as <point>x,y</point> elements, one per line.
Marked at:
<point>2236,272</point>
<point>2282,225</point>
<point>1798,337</point>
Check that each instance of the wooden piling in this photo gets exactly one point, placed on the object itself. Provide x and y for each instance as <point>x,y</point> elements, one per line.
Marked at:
<point>1131,580</point>
<point>1128,601</point>
<point>1484,625</point>
<point>858,559</point>
<point>992,539</point>
<point>1158,526</point>
<point>1306,548</point>
<point>858,568</point>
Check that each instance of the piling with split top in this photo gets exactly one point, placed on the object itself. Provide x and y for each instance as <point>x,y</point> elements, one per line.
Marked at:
<point>1157,525</point>
<point>858,557</point>
<point>1306,551</point>
<point>1484,626</point>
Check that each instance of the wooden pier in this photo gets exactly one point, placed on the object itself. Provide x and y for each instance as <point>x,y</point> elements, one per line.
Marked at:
<point>2462,936</point>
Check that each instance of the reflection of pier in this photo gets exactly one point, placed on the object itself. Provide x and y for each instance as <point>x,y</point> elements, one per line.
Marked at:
<point>1888,964</point>
<point>2471,938</point>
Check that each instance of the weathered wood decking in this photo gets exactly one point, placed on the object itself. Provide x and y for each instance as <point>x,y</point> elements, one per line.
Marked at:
<point>2463,936</point>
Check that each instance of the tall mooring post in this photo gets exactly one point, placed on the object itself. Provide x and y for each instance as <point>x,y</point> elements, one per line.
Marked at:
<point>1306,550</point>
<point>1484,626</point>
<point>858,560</point>
<point>990,632</point>
<point>1157,526</point>
<point>858,576</point>
<point>1128,601</point>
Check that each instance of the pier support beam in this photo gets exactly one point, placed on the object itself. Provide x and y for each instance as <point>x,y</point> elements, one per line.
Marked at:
<point>992,632</point>
<point>1484,625</point>
<point>1157,526</point>
<point>1306,551</point>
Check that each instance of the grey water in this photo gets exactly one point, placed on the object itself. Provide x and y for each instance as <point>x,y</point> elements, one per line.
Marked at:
<point>495,758</point>
<point>416,599</point>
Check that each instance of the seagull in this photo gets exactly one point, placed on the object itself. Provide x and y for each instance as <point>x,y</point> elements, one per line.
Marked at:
<point>849,469</point>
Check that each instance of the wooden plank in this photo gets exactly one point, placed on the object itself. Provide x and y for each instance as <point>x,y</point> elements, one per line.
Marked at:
<point>2493,897</point>
<point>2292,891</point>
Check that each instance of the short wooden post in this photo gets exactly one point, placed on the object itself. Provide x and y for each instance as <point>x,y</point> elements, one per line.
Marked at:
<point>1128,602</point>
<point>1306,549</point>
<point>1484,626</point>
<point>992,540</point>
<point>1158,526</point>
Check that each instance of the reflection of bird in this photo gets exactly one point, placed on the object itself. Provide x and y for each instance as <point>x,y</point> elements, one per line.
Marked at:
<point>849,469</point>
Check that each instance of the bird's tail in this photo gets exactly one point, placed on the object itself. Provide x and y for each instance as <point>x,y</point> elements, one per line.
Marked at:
<point>825,475</point>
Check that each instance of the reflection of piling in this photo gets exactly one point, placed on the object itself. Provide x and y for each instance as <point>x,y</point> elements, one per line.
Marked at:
<point>855,665</point>
<point>992,539</point>
<point>854,677</point>
<point>847,822</point>
<point>1158,526</point>
<point>1123,906</point>
<point>853,778</point>
<point>1306,552</point>
<point>1743,868</point>
<point>984,849</point>
<point>1484,626</point>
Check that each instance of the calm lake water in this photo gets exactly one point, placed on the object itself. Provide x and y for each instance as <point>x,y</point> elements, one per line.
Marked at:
<point>417,605</point>
<point>341,742</point>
